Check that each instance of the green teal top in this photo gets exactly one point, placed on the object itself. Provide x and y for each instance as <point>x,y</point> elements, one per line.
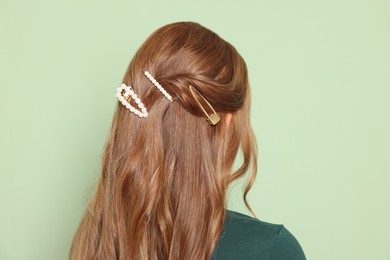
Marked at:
<point>244,237</point>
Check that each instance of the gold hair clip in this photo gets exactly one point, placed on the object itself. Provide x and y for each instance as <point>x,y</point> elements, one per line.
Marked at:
<point>214,118</point>
<point>126,95</point>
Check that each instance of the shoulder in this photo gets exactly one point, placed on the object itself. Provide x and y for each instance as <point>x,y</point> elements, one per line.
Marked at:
<point>245,237</point>
<point>286,246</point>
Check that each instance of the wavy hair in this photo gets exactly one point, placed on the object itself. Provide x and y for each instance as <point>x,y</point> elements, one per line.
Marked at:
<point>164,179</point>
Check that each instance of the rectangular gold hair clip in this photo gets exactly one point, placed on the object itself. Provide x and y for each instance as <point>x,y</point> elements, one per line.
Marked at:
<point>214,118</point>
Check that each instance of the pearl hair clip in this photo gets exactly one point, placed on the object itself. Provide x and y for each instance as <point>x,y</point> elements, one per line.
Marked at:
<point>158,86</point>
<point>125,97</point>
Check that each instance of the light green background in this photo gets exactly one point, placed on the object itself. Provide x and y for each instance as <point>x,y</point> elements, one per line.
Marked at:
<point>320,76</point>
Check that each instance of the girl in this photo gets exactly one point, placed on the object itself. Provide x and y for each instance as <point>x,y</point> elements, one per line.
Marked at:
<point>182,115</point>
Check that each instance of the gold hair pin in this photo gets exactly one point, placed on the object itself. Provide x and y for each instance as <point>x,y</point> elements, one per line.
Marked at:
<point>214,118</point>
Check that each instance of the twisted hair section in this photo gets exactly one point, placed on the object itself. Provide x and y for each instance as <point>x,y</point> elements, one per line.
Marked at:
<point>163,184</point>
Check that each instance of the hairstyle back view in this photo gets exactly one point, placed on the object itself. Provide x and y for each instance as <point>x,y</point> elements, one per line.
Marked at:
<point>164,179</point>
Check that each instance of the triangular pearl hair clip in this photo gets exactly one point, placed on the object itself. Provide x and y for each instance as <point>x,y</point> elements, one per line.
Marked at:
<point>158,86</point>
<point>125,99</point>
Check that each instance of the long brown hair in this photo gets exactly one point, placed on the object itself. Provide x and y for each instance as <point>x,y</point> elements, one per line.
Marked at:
<point>164,179</point>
